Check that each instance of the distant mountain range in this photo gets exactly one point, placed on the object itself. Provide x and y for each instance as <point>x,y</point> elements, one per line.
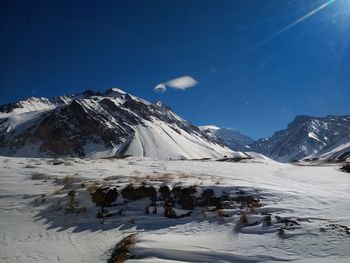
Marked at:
<point>230,137</point>
<point>92,124</point>
<point>308,137</point>
<point>305,138</point>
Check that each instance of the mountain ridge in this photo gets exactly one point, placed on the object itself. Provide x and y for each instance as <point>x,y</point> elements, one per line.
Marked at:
<point>305,136</point>
<point>101,124</point>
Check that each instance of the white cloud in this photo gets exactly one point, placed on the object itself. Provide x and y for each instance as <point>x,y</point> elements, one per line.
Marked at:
<point>183,83</point>
<point>160,88</point>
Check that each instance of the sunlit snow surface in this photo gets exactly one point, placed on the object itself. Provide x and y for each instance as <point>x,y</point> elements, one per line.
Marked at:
<point>31,230</point>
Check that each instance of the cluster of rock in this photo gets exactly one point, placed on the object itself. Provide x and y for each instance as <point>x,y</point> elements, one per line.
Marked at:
<point>186,198</point>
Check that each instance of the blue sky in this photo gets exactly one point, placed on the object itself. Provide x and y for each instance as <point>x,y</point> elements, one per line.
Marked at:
<point>257,63</point>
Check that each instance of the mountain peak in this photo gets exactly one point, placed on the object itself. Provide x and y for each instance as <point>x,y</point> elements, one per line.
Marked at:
<point>94,125</point>
<point>114,92</point>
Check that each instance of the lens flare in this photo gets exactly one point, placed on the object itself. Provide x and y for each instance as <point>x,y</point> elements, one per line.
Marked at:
<point>296,22</point>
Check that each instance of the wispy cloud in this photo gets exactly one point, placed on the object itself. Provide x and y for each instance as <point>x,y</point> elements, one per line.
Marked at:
<point>160,88</point>
<point>181,83</point>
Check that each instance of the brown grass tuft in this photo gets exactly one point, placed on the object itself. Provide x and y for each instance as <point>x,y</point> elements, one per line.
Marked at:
<point>68,181</point>
<point>121,252</point>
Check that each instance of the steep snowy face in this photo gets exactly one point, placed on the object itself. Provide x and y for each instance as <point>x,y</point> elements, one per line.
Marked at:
<point>30,104</point>
<point>231,138</point>
<point>305,136</point>
<point>95,124</point>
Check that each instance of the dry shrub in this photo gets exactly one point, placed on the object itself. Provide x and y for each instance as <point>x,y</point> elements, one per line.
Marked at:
<point>221,213</point>
<point>68,181</point>
<point>165,177</point>
<point>218,180</point>
<point>73,203</point>
<point>92,187</point>
<point>59,191</point>
<point>183,176</point>
<point>243,220</point>
<point>121,252</point>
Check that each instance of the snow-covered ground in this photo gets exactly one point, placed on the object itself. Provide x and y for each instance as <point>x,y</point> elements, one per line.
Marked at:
<point>36,224</point>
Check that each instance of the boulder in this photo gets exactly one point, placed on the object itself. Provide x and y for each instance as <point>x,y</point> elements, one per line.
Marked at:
<point>104,196</point>
<point>208,198</point>
<point>345,168</point>
<point>131,193</point>
<point>184,196</point>
<point>164,192</point>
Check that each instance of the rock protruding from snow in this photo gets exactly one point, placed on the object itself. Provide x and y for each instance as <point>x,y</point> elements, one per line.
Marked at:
<point>92,124</point>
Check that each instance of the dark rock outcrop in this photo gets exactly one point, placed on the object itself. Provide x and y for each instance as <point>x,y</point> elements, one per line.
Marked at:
<point>345,168</point>
<point>132,193</point>
<point>184,196</point>
<point>104,196</point>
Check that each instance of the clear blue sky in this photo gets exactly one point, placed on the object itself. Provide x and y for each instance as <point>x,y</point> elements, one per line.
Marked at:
<point>257,63</point>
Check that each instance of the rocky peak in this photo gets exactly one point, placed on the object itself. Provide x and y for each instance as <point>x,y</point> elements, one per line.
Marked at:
<point>91,123</point>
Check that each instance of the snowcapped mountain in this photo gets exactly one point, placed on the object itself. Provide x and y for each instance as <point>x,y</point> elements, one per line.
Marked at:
<point>231,138</point>
<point>95,124</point>
<point>307,137</point>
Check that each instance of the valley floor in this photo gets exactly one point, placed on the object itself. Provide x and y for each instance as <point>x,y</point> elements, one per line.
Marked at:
<point>309,207</point>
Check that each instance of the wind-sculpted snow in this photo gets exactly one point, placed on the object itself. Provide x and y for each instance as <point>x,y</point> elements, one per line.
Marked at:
<point>256,211</point>
<point>93,124</point>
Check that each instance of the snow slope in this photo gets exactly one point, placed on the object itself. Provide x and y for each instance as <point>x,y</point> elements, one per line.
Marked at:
<point>158,140</point>
<point>35,228</point>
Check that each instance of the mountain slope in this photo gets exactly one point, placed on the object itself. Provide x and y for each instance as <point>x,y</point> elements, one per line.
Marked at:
<point>340,153</point>
<point>94,124</point>
<point>305,136</point>
<point>231,138</point>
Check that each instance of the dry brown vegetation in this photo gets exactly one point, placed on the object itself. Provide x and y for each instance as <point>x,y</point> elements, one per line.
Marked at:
<point>121,252</point>
<point>68,181</point>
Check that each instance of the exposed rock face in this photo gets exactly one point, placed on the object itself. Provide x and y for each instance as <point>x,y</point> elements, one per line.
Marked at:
<point>94,124</point>
<point>305,136</point>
